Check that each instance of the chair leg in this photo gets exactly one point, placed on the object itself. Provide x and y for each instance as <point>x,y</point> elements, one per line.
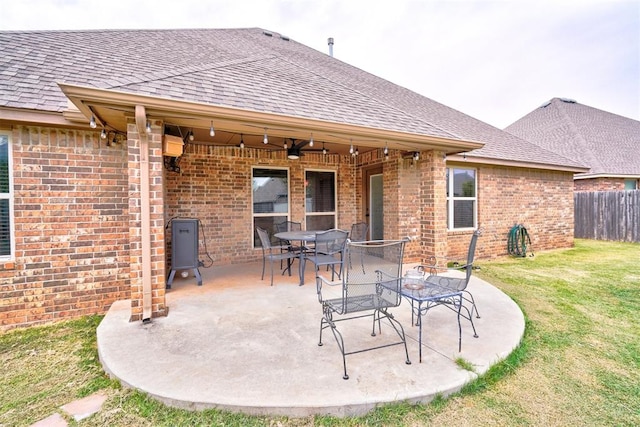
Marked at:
<point>340,341</point>
<point>303,265</point>
<point>470,318</point>
<point>326,323</point>
<point>271,272</point>
<point>263,262</point>
<point>459,325</point>
<point>473,302</point>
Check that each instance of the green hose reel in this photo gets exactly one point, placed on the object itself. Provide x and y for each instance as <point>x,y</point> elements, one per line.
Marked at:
<point>518,241</point>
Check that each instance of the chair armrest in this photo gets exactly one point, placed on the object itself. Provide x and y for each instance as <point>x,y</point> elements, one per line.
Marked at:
<point>435,265</point>
<point>320,281</point>
<point>328,282</point>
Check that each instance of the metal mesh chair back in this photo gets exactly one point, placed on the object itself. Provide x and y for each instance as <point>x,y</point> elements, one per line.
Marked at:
<point>265,240</point>
<point>359,232</point>
<point>471,255</point>
<point>288,226</point>
<point>330,242</point>
<point>371,275</point>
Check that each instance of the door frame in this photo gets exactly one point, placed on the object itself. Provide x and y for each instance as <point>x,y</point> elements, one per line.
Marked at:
<point>366,200</point>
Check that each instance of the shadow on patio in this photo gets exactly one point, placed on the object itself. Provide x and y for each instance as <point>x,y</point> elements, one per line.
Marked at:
<point>238,344</point>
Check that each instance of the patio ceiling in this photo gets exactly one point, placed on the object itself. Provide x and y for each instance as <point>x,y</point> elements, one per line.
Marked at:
<point>111,110</point>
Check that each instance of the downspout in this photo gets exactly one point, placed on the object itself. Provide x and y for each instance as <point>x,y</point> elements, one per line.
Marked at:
<point>145,213</point>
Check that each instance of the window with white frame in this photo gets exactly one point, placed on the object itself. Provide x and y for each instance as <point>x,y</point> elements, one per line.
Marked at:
<point>6,199</point>
<point>270,199</point>
<point>320,199</point>
<point>462,206</point>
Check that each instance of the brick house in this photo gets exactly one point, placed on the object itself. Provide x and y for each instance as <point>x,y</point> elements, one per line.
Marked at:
<point>105,136</point>
<point>608,144</point>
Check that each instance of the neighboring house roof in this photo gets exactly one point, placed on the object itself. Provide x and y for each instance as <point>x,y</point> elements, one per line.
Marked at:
<point>607,143</point>
<point>250,69</point>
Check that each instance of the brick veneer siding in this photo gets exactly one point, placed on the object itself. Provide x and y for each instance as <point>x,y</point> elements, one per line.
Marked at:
<point>214,186</point>
<point>77,214</point>
<point>71,225</point>
<point>599,184</point>
<point>541,200</point>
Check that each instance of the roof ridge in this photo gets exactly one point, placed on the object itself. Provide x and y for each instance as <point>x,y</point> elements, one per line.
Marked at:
<point>174,72</point>
<point>128,30</point>
<point>576,133</point>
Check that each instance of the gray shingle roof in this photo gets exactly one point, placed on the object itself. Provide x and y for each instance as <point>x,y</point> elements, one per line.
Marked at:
<point>605,142</point>
<point>243,68</point>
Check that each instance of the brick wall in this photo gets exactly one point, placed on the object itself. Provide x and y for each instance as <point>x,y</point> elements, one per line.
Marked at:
<point>71,224</point>
<point>541,200</point>
<point>157,268</point>
<point>599,184</point>
<point>214,185</point>
<point>77,214</point>
<point>407,190</point>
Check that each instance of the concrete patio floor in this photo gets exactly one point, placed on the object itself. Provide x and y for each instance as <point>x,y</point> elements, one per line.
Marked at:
<point>235,343</point>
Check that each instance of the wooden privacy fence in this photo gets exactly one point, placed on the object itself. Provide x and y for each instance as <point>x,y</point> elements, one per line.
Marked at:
<point>608,215</point>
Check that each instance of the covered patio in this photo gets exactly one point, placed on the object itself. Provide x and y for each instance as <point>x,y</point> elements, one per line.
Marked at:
<point>237,344</point>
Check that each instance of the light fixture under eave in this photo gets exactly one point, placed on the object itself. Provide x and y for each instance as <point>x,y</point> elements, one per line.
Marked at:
<point>212,131</point>
<point>191,136</point>
<point>324,150</point>
<point>241,141</point>
<point>103,134</point>
<point>311,141</point>
<point>416,156</point>
<point>293,155</point>
<point>92,122</point>
<point>148,128</point>
<point>265,140</point>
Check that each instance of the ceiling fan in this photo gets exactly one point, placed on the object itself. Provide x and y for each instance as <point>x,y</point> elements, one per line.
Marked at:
<point>295,150</point>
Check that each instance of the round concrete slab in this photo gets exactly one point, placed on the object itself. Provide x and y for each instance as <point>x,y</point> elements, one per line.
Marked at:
<point>238,344</point>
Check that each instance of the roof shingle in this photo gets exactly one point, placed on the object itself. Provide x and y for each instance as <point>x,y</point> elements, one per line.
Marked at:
<point>243,68</point>
<point>607,143</point>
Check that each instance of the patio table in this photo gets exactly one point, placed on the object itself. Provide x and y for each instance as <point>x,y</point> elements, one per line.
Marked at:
<point>424,296</point>
<point>302,236</point>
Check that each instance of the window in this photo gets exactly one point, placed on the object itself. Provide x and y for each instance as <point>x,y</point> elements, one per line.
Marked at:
<point>270,189</point>
<point>461,198</point>
<point>630,184</point>
<point>320,199</point>
<point>6,199</point>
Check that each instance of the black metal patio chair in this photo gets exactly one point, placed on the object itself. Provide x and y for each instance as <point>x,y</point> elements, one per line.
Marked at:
<point>359,232</point>
<point>430,271</point>
<point>369,289</point>
<point>328,251</point>
<point>269,252</point>
<point>286,245</point>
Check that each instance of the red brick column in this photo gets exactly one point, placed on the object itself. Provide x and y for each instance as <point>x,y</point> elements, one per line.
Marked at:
<point>156,193</point>
<point>433,203</point>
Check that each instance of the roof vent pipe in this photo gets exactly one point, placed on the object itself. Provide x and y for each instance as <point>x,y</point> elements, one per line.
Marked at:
<point>330,41</point>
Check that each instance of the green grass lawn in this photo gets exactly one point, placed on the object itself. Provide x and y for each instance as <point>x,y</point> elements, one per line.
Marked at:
<point>578,364</point>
